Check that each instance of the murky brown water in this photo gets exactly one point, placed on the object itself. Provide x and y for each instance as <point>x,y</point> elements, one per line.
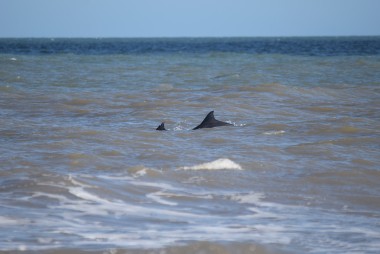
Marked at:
<point>82,168</point>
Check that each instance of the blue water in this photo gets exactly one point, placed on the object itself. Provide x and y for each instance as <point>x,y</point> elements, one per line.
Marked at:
<point>84,170</point>
<point>311,46</point>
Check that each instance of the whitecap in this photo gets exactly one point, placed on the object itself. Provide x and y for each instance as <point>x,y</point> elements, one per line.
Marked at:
<point>218,164</point>
<point>274,132</point>
<point>141,172</point>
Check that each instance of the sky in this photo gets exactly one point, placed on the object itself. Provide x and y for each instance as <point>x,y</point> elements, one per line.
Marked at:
<point>188,18</point>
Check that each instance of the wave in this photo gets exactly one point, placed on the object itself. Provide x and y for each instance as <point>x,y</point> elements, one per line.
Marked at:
<point>218,164</point>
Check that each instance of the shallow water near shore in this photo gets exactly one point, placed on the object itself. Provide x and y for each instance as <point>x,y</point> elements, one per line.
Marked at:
<point>83,170</point>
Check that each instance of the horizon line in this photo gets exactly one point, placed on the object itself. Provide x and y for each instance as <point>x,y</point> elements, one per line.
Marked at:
<point>182,37</point>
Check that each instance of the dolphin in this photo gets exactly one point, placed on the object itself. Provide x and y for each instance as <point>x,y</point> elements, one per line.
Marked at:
<point>161,127</point>
<point>211,122</point>
<point>208,122</point>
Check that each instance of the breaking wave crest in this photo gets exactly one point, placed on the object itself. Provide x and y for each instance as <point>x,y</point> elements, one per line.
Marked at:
<point>218,164</point>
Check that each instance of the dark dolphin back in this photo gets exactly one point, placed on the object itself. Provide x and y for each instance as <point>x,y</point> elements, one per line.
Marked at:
<point>161,127</point>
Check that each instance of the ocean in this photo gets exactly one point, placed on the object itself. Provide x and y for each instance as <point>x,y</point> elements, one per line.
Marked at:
<point>84,170</point>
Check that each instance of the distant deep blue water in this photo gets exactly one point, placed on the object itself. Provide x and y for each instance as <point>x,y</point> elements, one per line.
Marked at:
<point>311,46</point>
<point>82,168</point>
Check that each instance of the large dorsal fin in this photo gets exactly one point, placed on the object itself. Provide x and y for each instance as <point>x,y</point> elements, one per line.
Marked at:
<point>210,122</point>
<point>161,127</point>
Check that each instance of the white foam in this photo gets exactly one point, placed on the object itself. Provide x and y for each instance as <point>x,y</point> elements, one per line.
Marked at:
<point>179,128</point>
<point>156,196</point>
<point>104,206</point>
<point>274,132</point>
<point>237,124</point>
<point>22,247</point>
<point>45,240</point>
<point>250,198</point>
<point>77,183</point>
<point>164,186</point>
<point>8,221</point>
<point>218,164</point>
<point>141,172</point>
<point>95,217</point>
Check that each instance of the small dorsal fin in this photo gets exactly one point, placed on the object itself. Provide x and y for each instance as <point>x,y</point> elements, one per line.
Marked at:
<point>161,127</point>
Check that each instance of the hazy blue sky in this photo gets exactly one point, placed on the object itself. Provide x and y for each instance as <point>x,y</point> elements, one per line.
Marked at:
<point>168,18</point>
